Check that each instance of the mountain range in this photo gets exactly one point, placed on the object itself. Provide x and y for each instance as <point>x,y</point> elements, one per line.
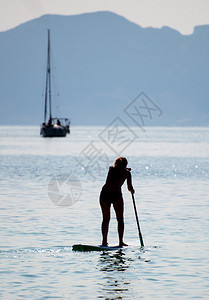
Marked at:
<point>101,62</point>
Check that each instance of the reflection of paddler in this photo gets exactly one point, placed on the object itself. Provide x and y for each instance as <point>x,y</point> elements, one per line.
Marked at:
<point>111,194</point>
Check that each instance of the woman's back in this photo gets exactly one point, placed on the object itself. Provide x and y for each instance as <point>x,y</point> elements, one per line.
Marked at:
<point>115,178</point>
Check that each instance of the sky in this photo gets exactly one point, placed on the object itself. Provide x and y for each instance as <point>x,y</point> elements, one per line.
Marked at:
<point>182,15</point>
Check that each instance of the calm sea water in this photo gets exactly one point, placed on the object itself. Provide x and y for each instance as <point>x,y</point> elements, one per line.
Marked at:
<point>49,201</point>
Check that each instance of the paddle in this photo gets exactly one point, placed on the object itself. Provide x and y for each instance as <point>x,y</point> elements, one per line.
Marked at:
<point>137,221</point>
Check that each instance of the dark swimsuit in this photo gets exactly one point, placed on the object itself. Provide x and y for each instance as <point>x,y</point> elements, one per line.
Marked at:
<point>111,191</point>
<point>110,196</point>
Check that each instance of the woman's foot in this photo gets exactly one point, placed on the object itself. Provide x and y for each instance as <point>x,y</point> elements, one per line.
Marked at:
<point>122,244</point>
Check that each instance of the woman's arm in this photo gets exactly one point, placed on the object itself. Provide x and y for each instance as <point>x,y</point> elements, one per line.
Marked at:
<point>129,182</point>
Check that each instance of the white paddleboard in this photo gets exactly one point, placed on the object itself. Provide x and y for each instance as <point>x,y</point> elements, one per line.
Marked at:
<point>87,248</point>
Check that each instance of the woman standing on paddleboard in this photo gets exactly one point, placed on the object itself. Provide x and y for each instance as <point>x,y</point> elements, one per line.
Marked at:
<point>111,194</point>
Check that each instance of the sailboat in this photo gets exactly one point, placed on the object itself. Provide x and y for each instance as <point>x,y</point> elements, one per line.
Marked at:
<point>54,127</point>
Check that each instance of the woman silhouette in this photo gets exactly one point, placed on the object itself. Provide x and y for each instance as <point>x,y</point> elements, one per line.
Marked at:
<point>111,194</point>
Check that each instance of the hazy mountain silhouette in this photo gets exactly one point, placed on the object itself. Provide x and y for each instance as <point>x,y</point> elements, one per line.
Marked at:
<point>102,61</point>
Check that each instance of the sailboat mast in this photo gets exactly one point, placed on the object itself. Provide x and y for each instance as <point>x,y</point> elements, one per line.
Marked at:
<point>48,128</point>
<point>46,91</point>
<point>49,76</point>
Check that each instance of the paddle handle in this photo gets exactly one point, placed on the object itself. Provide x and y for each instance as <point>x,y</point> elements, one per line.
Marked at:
<point>137,221</point>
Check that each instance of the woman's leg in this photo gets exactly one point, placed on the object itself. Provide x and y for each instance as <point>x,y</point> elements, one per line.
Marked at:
<point>119,207</point>
<point>105,222</point>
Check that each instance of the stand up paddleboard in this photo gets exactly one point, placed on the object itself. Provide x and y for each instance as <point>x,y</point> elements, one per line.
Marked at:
<point>87,248</point>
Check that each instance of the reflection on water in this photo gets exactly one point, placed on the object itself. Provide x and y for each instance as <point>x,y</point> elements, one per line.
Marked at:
<point>120,272</point>
<point>113,265</point>
<point>114,261</point>
<point>170,168</point>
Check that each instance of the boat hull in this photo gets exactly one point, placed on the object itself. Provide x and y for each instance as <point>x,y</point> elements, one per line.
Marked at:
<point>54,131</point>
